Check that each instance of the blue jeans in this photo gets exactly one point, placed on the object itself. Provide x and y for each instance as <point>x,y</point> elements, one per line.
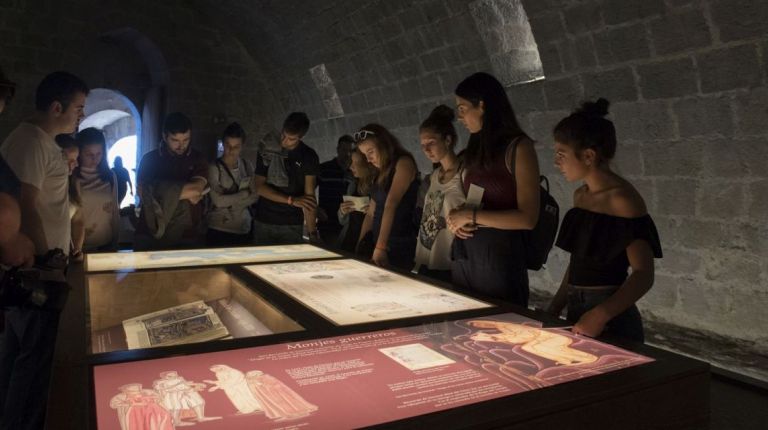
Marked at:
<point>627,324</point>
<point>26,358</point>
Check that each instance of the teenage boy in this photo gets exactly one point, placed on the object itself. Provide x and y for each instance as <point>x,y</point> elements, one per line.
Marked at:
<point>286,178</point>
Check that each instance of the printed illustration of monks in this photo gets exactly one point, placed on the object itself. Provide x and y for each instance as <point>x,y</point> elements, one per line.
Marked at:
<point>543,343</point>
<point>232,381</point>
<point>278,400</point>
<point>138,409</point>
<point>178,394</point>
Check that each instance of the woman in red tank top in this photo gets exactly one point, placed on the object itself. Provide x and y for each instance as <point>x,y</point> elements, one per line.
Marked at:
<point>489,255</point>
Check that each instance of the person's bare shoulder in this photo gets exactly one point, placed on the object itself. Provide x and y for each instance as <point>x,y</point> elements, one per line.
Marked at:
<point>578,196</point>
<point>626,202</point>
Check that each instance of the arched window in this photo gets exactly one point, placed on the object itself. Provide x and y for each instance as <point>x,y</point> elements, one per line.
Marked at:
<point>116,116</point>
<point>324,84</point>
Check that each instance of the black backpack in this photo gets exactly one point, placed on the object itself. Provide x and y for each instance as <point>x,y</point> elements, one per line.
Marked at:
<point>538,242</point>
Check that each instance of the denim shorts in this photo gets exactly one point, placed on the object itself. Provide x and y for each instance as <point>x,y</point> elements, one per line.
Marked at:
<point>627,324</point>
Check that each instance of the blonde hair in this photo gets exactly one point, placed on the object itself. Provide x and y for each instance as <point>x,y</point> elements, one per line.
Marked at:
<point>390,150</point>
<point>367,174</point>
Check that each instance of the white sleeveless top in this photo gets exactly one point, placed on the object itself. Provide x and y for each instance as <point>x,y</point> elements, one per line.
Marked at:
<point>433,247</point>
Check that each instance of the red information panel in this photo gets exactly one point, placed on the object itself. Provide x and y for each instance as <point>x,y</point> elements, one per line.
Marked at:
<point>349,381</point>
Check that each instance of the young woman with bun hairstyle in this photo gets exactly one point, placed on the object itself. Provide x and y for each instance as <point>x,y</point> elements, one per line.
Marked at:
<point>607,231</point>
<point>489,253</point>
<point>393,197</point>
<point>433,247</point>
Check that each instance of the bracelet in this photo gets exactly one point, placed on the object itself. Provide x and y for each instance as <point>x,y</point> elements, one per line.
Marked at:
<point>474,216</point>
<point>290,200</point>
<point>382,248</point>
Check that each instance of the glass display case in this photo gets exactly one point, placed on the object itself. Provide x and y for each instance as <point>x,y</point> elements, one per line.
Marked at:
<point>329,342</point>
<point>358,379</point>
<point>128,261</point>
<point>171,307</point>
<point>348,291</point>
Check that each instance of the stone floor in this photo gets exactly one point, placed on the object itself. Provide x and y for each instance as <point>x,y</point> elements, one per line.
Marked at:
<point>733,355</point>
<point>737,407</point>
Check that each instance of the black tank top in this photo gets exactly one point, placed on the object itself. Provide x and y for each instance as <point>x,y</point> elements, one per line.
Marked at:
<point>404,223</point>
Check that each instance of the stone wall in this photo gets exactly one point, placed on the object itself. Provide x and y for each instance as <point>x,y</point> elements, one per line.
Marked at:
<point>390,61</point>
<point>687,79</point>
<point>211,77</point>
<point>688,82</point>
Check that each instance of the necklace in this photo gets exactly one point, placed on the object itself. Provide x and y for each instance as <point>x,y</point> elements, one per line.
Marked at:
<point>442,172</point>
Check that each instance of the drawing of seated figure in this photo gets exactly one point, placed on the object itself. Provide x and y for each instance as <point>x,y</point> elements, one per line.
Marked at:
<point>232,381</point>
<point>138,409</point>
<point>543,343</point>
<point>177,394</point>
<point>279,401</point>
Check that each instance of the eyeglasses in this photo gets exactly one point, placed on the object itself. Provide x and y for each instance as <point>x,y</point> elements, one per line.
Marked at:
<point>361,135</point>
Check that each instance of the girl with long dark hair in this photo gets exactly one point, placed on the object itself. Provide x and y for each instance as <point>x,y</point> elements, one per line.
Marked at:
<point>500,160</point>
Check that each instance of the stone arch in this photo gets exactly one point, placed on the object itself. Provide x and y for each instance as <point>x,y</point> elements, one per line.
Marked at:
<point>118,118</point>
<point>155,96</point>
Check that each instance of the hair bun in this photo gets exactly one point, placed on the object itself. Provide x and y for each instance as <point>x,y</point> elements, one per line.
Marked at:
<point>442,112</point>
<point>597,108</point>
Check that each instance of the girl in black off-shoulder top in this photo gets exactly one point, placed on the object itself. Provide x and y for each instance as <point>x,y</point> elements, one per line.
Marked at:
<point>607,232</point>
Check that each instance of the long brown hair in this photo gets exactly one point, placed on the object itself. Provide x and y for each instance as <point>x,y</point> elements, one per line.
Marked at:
<point>94,136</point>
<point>367,175</point>
<point>390,150</point>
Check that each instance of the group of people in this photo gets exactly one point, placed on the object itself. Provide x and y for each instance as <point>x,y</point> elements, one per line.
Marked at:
<point>477,206</point>
<point>464,223</point>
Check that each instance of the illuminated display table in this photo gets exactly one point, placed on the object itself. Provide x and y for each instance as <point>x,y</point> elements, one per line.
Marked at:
<point>387,361</point>
<point>117,261</point>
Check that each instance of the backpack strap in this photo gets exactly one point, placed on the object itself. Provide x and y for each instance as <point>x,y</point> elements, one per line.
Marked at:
<point>235,185</point>
<point>509,158</point>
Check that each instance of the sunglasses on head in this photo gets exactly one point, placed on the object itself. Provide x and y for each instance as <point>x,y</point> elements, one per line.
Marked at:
<point>361,135</point>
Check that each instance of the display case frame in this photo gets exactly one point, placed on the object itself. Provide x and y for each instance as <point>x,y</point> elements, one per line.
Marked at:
<point>145,292</point>
<point>639,397</point>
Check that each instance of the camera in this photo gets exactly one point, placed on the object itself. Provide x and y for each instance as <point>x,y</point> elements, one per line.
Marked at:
<point>43,286</point>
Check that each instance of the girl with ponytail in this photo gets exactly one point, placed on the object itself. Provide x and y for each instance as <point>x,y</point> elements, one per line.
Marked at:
<point>438,141</point>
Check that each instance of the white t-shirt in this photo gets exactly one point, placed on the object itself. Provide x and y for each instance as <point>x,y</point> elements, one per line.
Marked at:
<point>433,247</point>
<point>36,160</point>
<point>99,211</point>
